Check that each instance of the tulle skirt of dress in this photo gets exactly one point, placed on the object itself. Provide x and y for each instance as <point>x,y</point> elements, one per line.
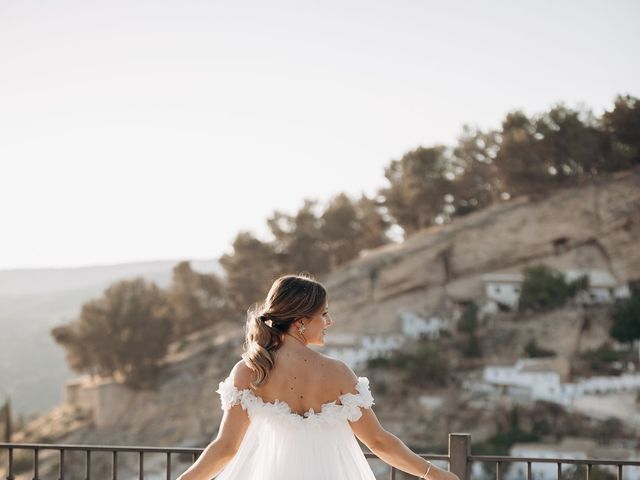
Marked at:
<point>281,445</point>
<point>327,454</point>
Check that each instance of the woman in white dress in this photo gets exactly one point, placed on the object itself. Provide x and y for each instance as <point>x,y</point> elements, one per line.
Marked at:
<point>291,413</point>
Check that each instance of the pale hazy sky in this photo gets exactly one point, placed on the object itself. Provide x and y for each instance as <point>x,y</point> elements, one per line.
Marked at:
<point>142,130</point>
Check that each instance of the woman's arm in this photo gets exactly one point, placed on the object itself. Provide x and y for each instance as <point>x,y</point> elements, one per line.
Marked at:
<point>384,444</point>
<point>219,452</point>
<point>233,427</point>
<point>391,450</point>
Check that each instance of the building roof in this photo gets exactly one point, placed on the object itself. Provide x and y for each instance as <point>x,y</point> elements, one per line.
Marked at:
<point>503,277</point>
<point>597,278</point>
<point>556,364</point>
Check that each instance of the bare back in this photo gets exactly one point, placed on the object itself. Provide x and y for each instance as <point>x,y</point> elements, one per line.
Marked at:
<point>303,379</point>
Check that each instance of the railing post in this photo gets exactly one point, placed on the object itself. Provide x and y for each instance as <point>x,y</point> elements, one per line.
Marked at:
<point>459,451</point>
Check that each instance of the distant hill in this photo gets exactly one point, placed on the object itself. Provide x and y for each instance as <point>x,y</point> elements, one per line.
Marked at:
<point>32,301</point>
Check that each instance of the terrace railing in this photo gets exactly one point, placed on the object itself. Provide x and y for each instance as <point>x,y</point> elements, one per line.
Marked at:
<point>459,459</point>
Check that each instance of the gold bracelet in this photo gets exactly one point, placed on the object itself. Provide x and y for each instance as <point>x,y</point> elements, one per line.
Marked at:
<point>424,476</point>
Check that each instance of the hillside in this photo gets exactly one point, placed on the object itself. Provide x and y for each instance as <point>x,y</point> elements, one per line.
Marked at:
<point>433,271</point>
<point>596,226</point>
<point>32,301</point>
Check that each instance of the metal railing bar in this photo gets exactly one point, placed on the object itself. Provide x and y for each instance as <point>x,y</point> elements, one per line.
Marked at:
<point>98,448</point>
<point>574,461</point>
<point>36,453</point>
<point>61,467</point>
<point>435,456</point>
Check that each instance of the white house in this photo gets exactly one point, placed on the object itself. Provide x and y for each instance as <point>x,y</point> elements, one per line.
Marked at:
<point>361,349</point>
<point>603,287</point>
<point>528,381</point>
<point>519,381</point>
<point>503,288</point>
<point>382,345</point>
<point>415,325</point>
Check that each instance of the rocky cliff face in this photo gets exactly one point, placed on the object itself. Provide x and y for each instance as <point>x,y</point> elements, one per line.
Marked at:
<point>596,226</point>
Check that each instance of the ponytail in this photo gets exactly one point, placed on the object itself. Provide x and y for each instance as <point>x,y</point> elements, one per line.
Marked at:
<point>290,298</point>
<point>262,339</point>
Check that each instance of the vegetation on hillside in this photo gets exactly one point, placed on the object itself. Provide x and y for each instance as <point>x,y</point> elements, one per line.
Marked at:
<point>626,319</point>
<point>544,288</point>
<point>128,329</point>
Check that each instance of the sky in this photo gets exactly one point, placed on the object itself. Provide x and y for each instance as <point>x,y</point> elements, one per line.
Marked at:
<point>152,130</point>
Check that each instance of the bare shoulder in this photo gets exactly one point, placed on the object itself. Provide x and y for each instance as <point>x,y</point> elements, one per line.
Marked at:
<point>241,375</point>
<point>343,376</point>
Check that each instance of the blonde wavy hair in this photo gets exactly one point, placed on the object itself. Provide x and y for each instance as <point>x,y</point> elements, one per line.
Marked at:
<point>290,298</point>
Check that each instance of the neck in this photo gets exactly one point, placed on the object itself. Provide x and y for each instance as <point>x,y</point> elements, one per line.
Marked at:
<point>296,339</point>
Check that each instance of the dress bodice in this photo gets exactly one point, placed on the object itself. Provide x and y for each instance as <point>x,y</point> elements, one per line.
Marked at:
<point>348,408</point>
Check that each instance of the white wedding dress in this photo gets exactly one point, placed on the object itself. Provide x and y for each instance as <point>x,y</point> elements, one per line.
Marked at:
<point>281,445</point>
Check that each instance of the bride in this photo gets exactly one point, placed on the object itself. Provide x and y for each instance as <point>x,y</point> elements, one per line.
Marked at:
<point>291,413</point>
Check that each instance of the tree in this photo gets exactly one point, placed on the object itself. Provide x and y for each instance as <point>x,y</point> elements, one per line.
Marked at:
<point>347,227</point>
<point>468,321</point>
<point>477,183</point>
<point>623,123</point>
<point>250,270</point>
<point>373,224</point>
<point>340,230</point>
<point>574,146</point>
<point>519,161</point>
<point>626,320</point>
<point>299,241</point>
<point>198,300</point>
<point>125,331</point>
<point>544,288</point>
<point>418,183</point>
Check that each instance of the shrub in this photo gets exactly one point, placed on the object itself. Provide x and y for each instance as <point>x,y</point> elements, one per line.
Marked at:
<point>601,358</point>
<point>532,350</point>
<point>472,348</point>
<point>425,366</point>
<point>544,288</point>
<point>468,321</point>
<point>626,319</point>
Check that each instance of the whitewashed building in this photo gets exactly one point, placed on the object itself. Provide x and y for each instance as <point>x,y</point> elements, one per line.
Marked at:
<point>357,350</point>
<point>503,288</point>
<point>382,345</point>
<point>603,287</point>
<point>415,325</point>
<point>526,381</point>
